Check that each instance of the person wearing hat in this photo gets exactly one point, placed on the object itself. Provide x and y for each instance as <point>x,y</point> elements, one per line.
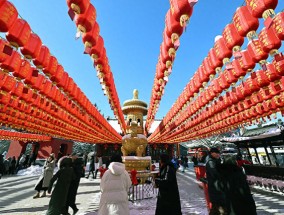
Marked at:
<point>215,188</point>
<point>44,179</point>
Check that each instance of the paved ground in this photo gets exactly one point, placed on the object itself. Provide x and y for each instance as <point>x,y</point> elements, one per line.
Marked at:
<point>16,198</point>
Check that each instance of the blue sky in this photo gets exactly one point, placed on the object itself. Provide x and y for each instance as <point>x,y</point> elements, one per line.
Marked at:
<point>132,32</point>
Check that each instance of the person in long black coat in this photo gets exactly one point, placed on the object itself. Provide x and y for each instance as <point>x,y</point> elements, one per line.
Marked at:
<point>168,200</point>
<point>64,176</point>
<point>77,165</point>
<point>215,183</point>
<point>239,200</point>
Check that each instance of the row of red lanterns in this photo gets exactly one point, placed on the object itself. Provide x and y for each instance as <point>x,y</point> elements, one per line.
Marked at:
<point>253,92</point>
<point>269,41</point>
<point>18,33</point>
<point>12,135</point>
<point>175,23</point>
<point>85,20</point>
<point>36,81</point>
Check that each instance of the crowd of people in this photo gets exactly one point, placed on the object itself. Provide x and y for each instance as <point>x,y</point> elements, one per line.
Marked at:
<point>228,189</point>
<point>11,165</point>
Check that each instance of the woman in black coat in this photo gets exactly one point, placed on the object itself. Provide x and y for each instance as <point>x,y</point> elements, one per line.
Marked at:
<point>64,176</point>
<point>239,200</point>
<point>168,200</point>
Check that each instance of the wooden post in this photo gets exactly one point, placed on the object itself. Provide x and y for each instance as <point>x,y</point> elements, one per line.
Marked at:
<point>267,155</point>
<point>274,155</point>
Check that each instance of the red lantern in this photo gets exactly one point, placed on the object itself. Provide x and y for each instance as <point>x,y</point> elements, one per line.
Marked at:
<point>269,41</point>
<point>86,21</point>
<point>232,38</point>
<point>278,63</point>
<point>246,61</point>
<point>173,28</point>
<point>18,90</point>
<point>51,69</point>
<point>245,23</point>
<point>215,62</point>
<point>32,48</point>
<point>64,80</point>
<point>8,83</point>
<point>90,38</point>
<point>42,59</point>
<point>58,74</point>
<point>181,11</point>
<point>278,25</point>
<point>97,49</point>
<point>78,6</point>
<point>237,70</point>
<point>25,70</point>
<point>3,45</point>
<point>208,68</point>
<point>8,16</point>
<point>258,7</point>
<point>45,87</point>
<point>262,78</point>
<point>19,33</point>
<point>271,72</point>
<point>223,53</point>
<point>12,63</point>
<point>256,52</point>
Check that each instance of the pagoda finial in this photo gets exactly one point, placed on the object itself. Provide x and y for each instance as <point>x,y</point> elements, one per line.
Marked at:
<point>135,94</point>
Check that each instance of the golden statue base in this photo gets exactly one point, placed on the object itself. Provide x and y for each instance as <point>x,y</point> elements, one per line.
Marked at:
<point>137,163</point>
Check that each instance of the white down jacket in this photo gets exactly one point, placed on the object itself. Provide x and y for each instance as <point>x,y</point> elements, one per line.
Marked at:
<point>115,184</point>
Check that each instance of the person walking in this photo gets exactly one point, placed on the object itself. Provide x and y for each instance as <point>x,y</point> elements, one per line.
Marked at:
<point>100,165</point>
<point>78,168</point>
<point>64,177</point>
<point>215,186</point>
<point>168,200</point>
<point>114,186</point>
<point>239,199</point>
<point>44,179</point>
<point>92,165</point>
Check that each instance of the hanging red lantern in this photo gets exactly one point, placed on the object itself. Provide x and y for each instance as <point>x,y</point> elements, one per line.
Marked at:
<point>271,72</point>
<point>12,63</point>
<point>181,10</point>
<point>25,70</point>
<point>173,29</point>
<point>223,53</point>
<point>256,52</point>
<point>216,86</point>
<point>262,78</point>
<point>32,48</point>
<point>86,21</point>
<point>208,68</point>
<point>232,38</point>
<point>233,96</point>
<point>78,6</point>
<point>245,23</point>
<point>90,38</point>
<point>3,46</point>
<point>27,95</point>
<point>8,82</point>
<point>240,92</point>
<point>58,74</point>
<point>251,83</point>
<point>19,33</point>
<point>97,49</point>
<point>261,8</point>
<point>269,41</point>
<point>204,78</point>
<point>8,16</point>
<point>63,81</point>
<point>215,62</point>
<point>18,89</point>
<point>278,25</point>
<point>230,77</point>
<point>46,86</point>
<point>42,60</point>
<point>246,61</point>
<point>223,82</point>
<point>278,63</point>
<point>51,69</point>
<point>237,70</point>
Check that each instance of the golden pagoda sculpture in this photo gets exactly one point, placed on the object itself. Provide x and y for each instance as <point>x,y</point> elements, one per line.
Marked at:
<point>134,143</point>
